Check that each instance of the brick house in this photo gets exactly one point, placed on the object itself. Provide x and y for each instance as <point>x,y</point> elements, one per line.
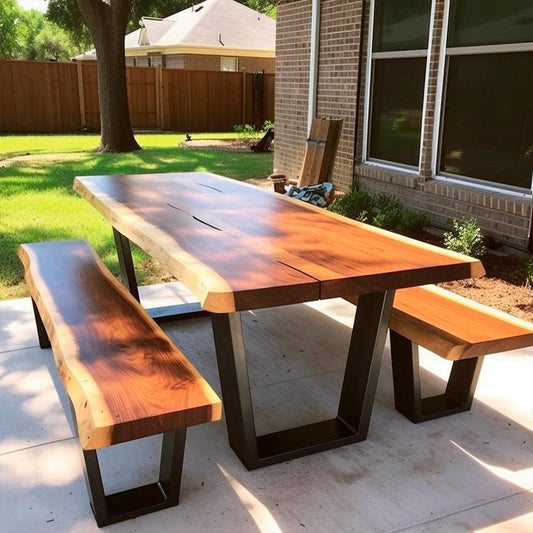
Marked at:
<point>436,97</point>
<point>221,35</point>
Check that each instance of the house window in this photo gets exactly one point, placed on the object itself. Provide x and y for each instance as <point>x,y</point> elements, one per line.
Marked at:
<point>487,121</point>
<point>229,64</point>
<point>399,56</point>
<point>484,132</point>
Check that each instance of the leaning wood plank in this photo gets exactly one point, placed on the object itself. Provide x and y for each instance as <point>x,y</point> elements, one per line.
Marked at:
<point>124,377</point>
<point>455,327</point>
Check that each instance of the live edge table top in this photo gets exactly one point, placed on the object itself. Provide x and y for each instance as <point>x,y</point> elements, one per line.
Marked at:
<point>238,247</point>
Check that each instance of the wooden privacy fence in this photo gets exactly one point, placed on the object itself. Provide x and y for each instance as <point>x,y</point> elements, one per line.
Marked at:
<point>63,97</point>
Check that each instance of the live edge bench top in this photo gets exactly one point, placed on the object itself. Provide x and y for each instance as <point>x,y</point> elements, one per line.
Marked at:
<point>455,327</point>
<point>124,377</point>
<point>237,247</point>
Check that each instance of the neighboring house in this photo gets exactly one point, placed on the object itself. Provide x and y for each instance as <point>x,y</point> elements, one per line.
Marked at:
<point>436,97</point>
<point>212,35</point>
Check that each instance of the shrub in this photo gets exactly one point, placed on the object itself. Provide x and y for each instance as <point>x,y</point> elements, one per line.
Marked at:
<point>356,204</point>
<point>412,223</point>
<point>382,211</point>
<point>465,238</point>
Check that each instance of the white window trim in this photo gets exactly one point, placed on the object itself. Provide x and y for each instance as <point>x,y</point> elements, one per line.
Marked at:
<point>439,96</point>
<point>423,125</point>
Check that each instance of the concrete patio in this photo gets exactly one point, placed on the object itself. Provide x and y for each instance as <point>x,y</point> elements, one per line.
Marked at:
<point>468,472</point>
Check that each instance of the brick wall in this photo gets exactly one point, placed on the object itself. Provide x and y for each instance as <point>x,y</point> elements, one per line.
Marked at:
<point>337,81</point>
<point>341,93</point>
<point>293,34</point>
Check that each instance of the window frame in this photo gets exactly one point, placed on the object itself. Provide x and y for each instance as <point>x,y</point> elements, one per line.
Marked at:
<point>445,53</point>
<point>369,90</point>
<point>433,133</point>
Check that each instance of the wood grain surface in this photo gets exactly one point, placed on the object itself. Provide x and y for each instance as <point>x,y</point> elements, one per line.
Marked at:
<point>455,327</point>
<point>239,247</point>
<point>125,378</point>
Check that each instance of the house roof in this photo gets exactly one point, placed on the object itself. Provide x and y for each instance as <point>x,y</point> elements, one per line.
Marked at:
<point>213,24</point>
<point>221,27</point>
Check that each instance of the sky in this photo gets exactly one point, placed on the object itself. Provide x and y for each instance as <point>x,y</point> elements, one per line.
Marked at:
<point>40,5</point>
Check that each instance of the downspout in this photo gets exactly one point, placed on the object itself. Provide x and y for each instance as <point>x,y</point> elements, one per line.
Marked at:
<point>313,62</point>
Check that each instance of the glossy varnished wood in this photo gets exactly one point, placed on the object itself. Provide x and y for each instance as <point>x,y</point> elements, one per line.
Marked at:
<point>238,247</point>
<point>454,327</point>
<point>124,377</point>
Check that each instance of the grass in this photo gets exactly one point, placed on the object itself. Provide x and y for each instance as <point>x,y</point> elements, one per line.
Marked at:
<point>37,202</point>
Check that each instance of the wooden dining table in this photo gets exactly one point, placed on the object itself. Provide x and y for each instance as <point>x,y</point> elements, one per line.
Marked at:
<point>238,247</point>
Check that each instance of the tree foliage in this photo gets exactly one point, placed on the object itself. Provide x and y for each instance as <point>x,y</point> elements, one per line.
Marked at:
<point>27,34</point>
<point>9,39</point>
<point>52,43</point>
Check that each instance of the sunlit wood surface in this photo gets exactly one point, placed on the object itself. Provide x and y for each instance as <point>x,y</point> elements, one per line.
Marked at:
<point>239,247</point>
<point>455,327</point>
<point>125,379</point>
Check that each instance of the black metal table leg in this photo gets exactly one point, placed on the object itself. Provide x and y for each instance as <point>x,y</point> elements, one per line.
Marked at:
<point>357,395</point>
<point>408,400</point>
<point>44,341</point>
<point>138,501</point>
<point>127,273</point>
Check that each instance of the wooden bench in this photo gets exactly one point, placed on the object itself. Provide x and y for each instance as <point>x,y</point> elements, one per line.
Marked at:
<point>455,328</point>
<point>124,377</point>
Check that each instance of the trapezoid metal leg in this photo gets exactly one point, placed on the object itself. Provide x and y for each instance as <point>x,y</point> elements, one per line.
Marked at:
<point>137,501</point>
<point>351,423</point>
<point>408,400</point>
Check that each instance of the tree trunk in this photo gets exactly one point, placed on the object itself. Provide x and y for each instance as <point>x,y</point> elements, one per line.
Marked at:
<point>107,20</point>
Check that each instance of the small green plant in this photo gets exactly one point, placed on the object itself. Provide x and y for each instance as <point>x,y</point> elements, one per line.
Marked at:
<point>267,125</point>
<point>529,272</point>
<point>246,132</point>
<point>465,238</point>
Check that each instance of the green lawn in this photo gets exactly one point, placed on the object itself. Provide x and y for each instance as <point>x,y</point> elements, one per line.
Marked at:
<point>37,202</point>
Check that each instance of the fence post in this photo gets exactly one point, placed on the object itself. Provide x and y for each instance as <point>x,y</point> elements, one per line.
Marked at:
<point>158,96</point>
<point>243,96</point>
<point>81,94</point>
<point>258,99</point>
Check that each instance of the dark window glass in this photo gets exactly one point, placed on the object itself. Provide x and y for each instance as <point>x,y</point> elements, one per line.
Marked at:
<point>400,25</point>
<point>398,95</point>
<point>476,22</point>
<point>487,131</point>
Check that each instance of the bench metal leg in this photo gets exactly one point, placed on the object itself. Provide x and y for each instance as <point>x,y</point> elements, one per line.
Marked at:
<point>457,397</point>
<point>127,274</point>
<point>44,341</point>
<point>356,398</point>
<point>113,508</point>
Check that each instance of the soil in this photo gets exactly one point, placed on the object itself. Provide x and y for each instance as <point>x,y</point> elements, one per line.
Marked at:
<point>504,286</point>
<point>224,145</point>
